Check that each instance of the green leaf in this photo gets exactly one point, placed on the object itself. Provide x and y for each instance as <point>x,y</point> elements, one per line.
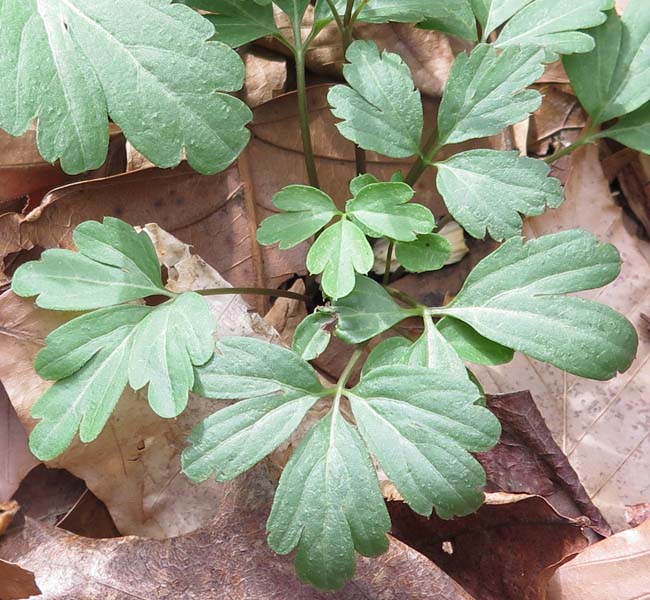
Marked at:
<point>421,426</point>
<point>279,389</point>
<point>486,190</point>
<point>167,344</point>
<point>71,346</point>
<point>312,335</point>
<point>328,504</point>
<point>486,92</point>
<point>243,368</point>
<point>491,14</point>
<point>451,16</point>
<point>383,210</point>
<point>471,346</point>
<point>338,252</point>
<point>382,109</point>
<point>84,401</point>
<point>513,297</point>
<point>430,252</point>
<point>633,130</point>
<point>612,80</point>
<point>146,64</point>
<point>367,312</point>
<point>550,24</point>
<point>294,8</point>
<point>238,22</point>
<point>114,265</point>
<point>306,210</point>
<point>361,181</point>
<point>388,352</point>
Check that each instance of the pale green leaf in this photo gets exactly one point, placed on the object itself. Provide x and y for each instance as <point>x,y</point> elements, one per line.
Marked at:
<point>339,252</point>
<point>312,335</point>
<point>514,297</point>
<point>612,80</point>
<point>382,109</point>
<point>384,210</point>
<point>550,24</point>
<point>167,344</point>
<point>486,191</point>
<point>487,91</point>
<point>238,22</point>
<point>633,130</point>
<point>71,346</point>
<point>328,504</point>
<point>429,252</point>
<point>421,426</point>
<point>294,8</point>
<point>471,346</point>
<point>494,13</point>
<point>114,265</point>
<point>361,181</point>
<point>392,351</point>
<point>146,64</point>
<point>367,311</point>
<point>306,210</point>
<point>243,368</point>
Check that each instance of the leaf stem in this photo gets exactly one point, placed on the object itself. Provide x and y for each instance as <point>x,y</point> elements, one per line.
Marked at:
<point>589,135</point>
<point>404,297</point>
<point>252,292</point>
<point>429,151</point>
<point>303,107</point>
<point>337,16</point>
<point>389,260</point>
<point>345,376</point>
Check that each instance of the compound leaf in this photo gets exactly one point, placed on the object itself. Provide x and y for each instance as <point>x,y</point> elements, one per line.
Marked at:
<point>612,80</point>
<point>391,351</point>
<point>382,109</point>
<point>429,252</point>
<point>384,210</point>
<point>513,297</point>
<point>167,344</point>
<point>238,22</point>
<point>306,210</point>
<point>328,504</point>
<point>486,190</point>
<point>115,264</point>
<point>312,335</point>
<point>278,389</point>
<point>421,426</point>
<point>145,63</point>
<point>551,25</point>
<point>471,345</point>
<point>367,311</point>
<point>486,92</point>
<point>339,252</point>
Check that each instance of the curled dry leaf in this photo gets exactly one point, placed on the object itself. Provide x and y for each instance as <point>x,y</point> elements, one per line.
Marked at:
<point>134,466</point>
<point>601,426</point>
<point>16,582</point>
<point>227,559</point>
<point>618,567</point>
<point>505,551</point>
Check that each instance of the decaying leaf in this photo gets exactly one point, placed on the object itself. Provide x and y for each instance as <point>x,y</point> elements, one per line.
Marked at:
<point>618,567</point>
<point>227,559</point>
<point>134,466</point>
<point>16,582</point>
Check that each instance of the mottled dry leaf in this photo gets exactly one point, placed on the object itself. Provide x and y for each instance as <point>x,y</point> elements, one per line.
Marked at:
<point>502,552</point>
<point>286,314</point>
<point>227,559</point>
<point>16,582</point>
<point>616,568</point>
<point>134,466</point>
<point>266,76</point>
<point>15,458</point>
<point>603,427</point>
<point>8,511</point>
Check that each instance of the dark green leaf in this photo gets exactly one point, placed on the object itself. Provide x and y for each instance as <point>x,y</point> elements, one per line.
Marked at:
<point>471,346</point>
<point>429,252</point>
<point>633,130</point>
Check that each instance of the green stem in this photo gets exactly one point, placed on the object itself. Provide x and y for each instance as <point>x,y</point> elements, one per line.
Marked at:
<point>337,17</point>
<point>427,155</point>
<point>253,292</point>
<point>345,376</point>
<point>589,135</point>
<point>303,107</point>
<point>389,260</point>
<point>404,297</point>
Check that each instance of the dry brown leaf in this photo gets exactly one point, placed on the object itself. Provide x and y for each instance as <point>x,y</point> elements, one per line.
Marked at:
<point>134,466</point>
<point>603,427</point>
<point>266,76</point>
<point>637,514</point>
<point>229,559</point>
<point>16,583</point>
<point>286,314</point>
<point>617,568</point>
<point>15,458</point>
<point>8,510</point>
<point>502,552</point>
